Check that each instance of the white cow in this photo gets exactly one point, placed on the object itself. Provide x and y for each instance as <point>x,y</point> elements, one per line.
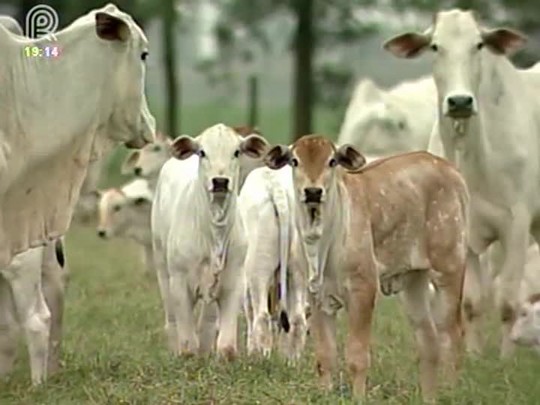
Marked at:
<point>489,125</point>
<point>265,202</point>
<point>382,122</point>
<point>147,162</point>
<point>24,305</point>
<point>11,24</point>
<point>198,234</point>
<point>50,133</point>
<point>125,212</point>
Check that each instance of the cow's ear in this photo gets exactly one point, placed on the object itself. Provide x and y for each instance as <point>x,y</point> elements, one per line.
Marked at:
<point>408,45</point>
<point>503,41</point>
<point>130,161</point>
<point>349,158</point>
<point>111,28</point>
<point>277,157</point>
<point>184,146</point>
<point>254,146</point>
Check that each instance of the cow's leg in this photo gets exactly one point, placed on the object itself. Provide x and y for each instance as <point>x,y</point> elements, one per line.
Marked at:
<point>260,265</point>
<point>183,306</point>
<point>415,300</point>
<point>229,302</point>
<point>207,328</point>
<point>450,278</point>
<point>361,302</point>
<point>163,283</point>
<point>35,318</point>
<point>322,327</point>
<point>54,280</point>
<point>515,244</point>
<point>8,329</point>
<point>248,313</point>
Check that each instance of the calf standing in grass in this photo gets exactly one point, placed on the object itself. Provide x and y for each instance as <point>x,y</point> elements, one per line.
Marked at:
<point>198,234</point>
<point>387,223</point>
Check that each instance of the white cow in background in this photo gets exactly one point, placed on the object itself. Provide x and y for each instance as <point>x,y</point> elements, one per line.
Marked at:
<point>382,122</point>
<point>45,150</point>
<point>44,159</point>
<point>125,212</point>
<point>489,125</point>
<point>198,234</point>
<point>265,202</point>
<point>85,210</point>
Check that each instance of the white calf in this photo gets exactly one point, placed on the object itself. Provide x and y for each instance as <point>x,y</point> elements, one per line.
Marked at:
<point>125,212</point>
<point>198,234</point>
<point>265,202</point>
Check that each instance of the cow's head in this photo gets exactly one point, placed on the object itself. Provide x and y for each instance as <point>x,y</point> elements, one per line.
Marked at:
<point>315,161</point>
<point>118,213</point>
<point>526,328</point>
<point>220,149</point>
<point>248,163</point>
<point>147,162</point>
<point>127,48</point>
<point>461,49</point>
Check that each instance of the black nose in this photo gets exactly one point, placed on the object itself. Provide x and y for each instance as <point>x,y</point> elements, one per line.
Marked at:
<point>101,233</point>
<point>460,103</point>
<point>137,171</point>
<point>220,184</point>
<point>313,194</point>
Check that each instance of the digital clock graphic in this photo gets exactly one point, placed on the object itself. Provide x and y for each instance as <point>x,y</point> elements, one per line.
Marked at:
<point>47,51</point>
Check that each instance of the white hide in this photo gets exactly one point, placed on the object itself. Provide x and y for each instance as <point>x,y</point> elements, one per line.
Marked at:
<point>387,121</point>
<point>265,202</point>
<point>497,148</point>
<point>51,132</point>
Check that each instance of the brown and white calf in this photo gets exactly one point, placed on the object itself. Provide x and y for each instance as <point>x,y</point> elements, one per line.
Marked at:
<point>386,223</point>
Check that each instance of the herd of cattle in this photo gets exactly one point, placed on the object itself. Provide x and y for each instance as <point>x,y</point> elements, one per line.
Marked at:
<point>286,233</point>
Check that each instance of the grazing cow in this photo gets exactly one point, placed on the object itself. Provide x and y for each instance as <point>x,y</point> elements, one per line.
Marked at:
<point>23,304</point>
<point>198,234</point>
<point>265,202</point>
<point>489,125</point>
<point>389,222</point>
<point>526,328</point>
<point>382,122</point>
<point>49,135</point>
<point>125,212</point>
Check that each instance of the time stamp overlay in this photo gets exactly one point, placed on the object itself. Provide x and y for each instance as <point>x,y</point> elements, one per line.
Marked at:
<point>41,20</point>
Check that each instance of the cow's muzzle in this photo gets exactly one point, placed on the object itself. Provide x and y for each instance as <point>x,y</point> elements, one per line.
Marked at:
<point>220,185</point>
<point>460,106</point>
<point>313,195</point>
<point>102,233</point>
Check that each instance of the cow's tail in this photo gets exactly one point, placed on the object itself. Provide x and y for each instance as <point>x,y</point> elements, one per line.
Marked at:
<point>281,204</point>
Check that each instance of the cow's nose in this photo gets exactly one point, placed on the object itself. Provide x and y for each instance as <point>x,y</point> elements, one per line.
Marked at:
<point>220,184</point>
<point>460,103</point>
<point>101,233</point>
<point>313,194</point>
<point>137,171</point>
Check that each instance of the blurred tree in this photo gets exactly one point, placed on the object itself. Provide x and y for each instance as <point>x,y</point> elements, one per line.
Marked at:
<point>318,25</point>
<point>169,19</point>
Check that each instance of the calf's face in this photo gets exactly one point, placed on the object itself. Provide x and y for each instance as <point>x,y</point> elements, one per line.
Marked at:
<point>118,213</point>
<point>219,149</point>
<point>526,329</point>
<point>147,162</point>
<point>458,44</point>
<point>314,160</point>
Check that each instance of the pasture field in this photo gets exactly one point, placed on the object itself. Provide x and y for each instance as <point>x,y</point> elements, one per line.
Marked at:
<point>114,351</point>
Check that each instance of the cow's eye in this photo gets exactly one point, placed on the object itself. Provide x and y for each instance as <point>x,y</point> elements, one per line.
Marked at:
<point>480,45</point>
<point>139,201</point>
<point>156,148</point>
<point>434,47</point>
<point>144,55</point>
<point>201,153</point>
<point>293,162</point>
<point>117,208</point>
<point>236,153</point>
<point>332,162</point>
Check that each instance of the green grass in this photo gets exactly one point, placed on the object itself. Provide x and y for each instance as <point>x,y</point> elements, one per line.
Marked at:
<point>114,352</point>
<point>114,348</point>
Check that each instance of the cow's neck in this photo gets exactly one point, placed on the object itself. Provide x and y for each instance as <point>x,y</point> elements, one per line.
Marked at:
<point>319,232</point>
